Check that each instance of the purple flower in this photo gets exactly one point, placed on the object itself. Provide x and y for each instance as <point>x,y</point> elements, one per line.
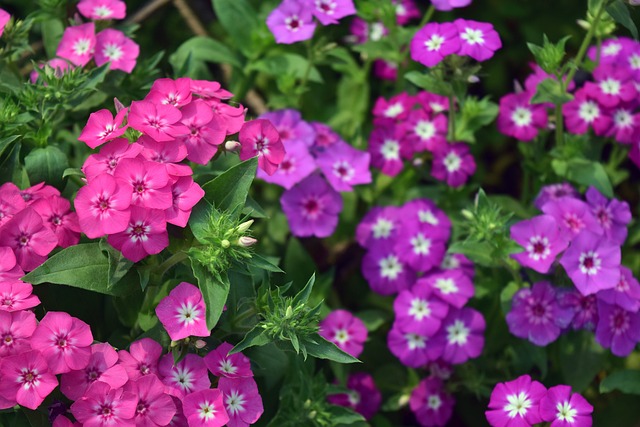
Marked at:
<point>418,247</point>
<point>515,403</point>
<point>291,21</point>
<point>363,31</point>
<point>432,103</point>
<point>519,118</point>
<point>445,5</point>
<point>385,146</point>
<point>618,329</point>
<point>458,262</point>
<point>573,216</point>
<point>453,163</point>
<point>385,70</point>
<point>585,308</point>
<point>613,85</point>
<point>412,349</point>
<point>612,215</point>
<point>610,51</point>
<point>626,294</point>
<point>379,226</point>
<point>312,207</point>
<point>363,397</point>
<point>406,10</point>
<point>583,111</point>
<point>344,166</point>
<point>452,286</point>
<point>424,132</point>
<point>536,314</point>
<point>592,262</point>
<point>296,165</point>
<point>431,404</point>
<point>425,213</point>
<point>385,272</point>
<point>325,137</point>
<point>540,238</point>
<point>290,126</point>
<point>433,42</point>
<point>477,39</point>
<point>330,11</point>
<point>563,409</point>
<point>554,192</point>
<point>396,108</point>
<point>462,335</point>
<point>418,310</point>
<point>344,330</point>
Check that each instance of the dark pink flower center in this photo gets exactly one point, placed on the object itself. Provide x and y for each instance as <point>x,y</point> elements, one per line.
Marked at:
<point>139,187</point>
<point>284,133</point>
<point>23,239</point>
<point>260,144</point>
<point>144,369</point>
<point>572,222</point>
<point>311,207</point>
<point>286,165</point>
<point>7,340</point>
<point>538,310</point>
<point>539,248</point>
<point>588,262</point>
<point>29,377</point>
<point>106,411</point>
<point>92,374</point>
<point>294,24</point>
<point>112,162</point>
<point>142,408</point>
<point>103,203</point>
<point>56,220</point>
<point>603,217</point>
<point>619,322</point>
<point>8,301</point>
<point>26,196</point>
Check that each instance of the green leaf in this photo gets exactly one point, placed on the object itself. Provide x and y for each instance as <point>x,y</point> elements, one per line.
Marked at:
<point>475,113</point>
<point>198,51</point>
<point>580,359</point>
<point>549,56</point>
<point>317,346</point>
<point>506,296</point>
<point>215,291</point>
<point>239,19</point>
<point>286,64</point>
<point>627,381</point>
<point>72,172</point>
<point>550,90</point>
<point>586,172</point>
<point>253,209</point>
<point>255,337</point>
<point>82,266</point>
<point>52,30</point>
<point>429,82</point>
<point>119,266</point>
<point>341,415</point>
<point>479,252</point>
<point>6,142</point>
<point>230,189</point>
<point>46,165</point>
<point>303,296</point>
<point>263,263</point>
<point>619,11</point>
<point>373,319</point>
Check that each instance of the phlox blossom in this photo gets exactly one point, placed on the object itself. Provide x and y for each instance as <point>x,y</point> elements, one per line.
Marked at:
<point>626,294</point>
<point>461,335</point>
<point>445,5</point>
<point>385,146</point>
<point>451,286</point>
<point>242,401</point>
<point>4,19</point>
<point>103,206</point>
<point>154,407</point>
<point>102,127</point>
<point>16,295</point>
<point>385,272</point>
<point>260,138</point>
<point>15,332</point>
<point>78,43</point>
<point>419,310</point>
<point>519,118</point>
<point>184,377</point>
<point>159,121</point>
<point>205,408</point>
<point>56,215</point>
<point>28,237</point>
<point>183,312</point>
<point>432,43</point>
<point>146,234</point>
<point>618,329</point>
<point>344,330</point>
<point>330,11</point>
<point>103,406</point>
<point>99,10</point>
<point>563,409</point>
<point>119,50</point>
<point>171,92</point>
<point>291,21</point>
<point>222,364</point>
<point>206,131</point>
<point>363,396</point>
<point>26,379</point>
<point>541,239</point>
<point>149,183</point>
<point>515,403</point>
<point>141,359</point>
<point>453,163</point>
<point>107,160</point>
<point>344,166</point>
<point>186,194</point>
<point>477,39</point>
<point>413,349</point>
<point>431,404</point>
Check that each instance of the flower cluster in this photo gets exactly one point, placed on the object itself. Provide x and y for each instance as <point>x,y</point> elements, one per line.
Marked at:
<point>33,222</point>
<point>431,403</point>
<point>435,41</point>
<point>104,386</point>
<point>524,402</point>
<point>344,330</point>
<point>292,21</point>
<point>363,396</point>
<point>406,126</point>
<point>135,188</point>
<point>588,233</point>
<point>317,166</point>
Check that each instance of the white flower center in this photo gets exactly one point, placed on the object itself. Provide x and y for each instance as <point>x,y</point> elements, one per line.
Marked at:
<point>634,61</point>
<point>589,111</point>
<point>434,402</point>
<point>235,402</point>
<point>382,228</point>
<point>425,129</point>
<point>428,217</point>
<point>102,11</point>
<point>419,309</point>
<point>434,43</point>
<point>452,162</point>
<point>182,378</point>
<point>447,285</point>
<point>623,119</point>
<point>458,333</point>
<point>206,411</point>
<point>612,49</point>
<point>472,36</point>
<point>421,245</point>
<point>390,150</point>
<point>566,412</point>
<point>188,314</point>
<point>521,116</point>
<point>390,267</point>
<point>343,170</point>
<point>227,367</point>
<point>341,336</point>
<point>589,263</point>
<point>518,404</point>
<point>610,87</point>
<point>415,341</point>
<point>376,31</point>
<point>394,110</point>
<point>113,52</point>
<point>81,47</point>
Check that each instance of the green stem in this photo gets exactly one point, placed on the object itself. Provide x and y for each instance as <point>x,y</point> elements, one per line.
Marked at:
<point>559,125</point>
<point>301,89</point>
<point>170,262</point>
<point>405,53</point>
<point>452,118</point>
<point>585,45</point>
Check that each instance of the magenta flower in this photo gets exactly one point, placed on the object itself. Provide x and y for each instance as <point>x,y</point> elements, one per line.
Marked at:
<point>453,163</point>
<point>291,127</point>
<point>183,312</point>
<point>58,65</point>
<point>458,262</point>
<point>141,359</point>
<point>572,216</point>
<point>385,146</point>
<point>419,248</point>
<point>15,332</point>
<point>625,124</point>
<point>312,207</point>
<point>145,235</point>
<point>205,133</point>
<point>406,10</point>
<point>432,43</point>
<point>385,70</point>
<point>119,50</point>
<point>385,272</point>
<point>431,404</point>
<point>461,335</point>
<point>452,286</point>
<point>325,137</point>
<point>445,5</point>
<point>428,216</point>
<point>626,294</point>
<point>618,329</point>
<point>563,409</point>
<point>542,242</point>
<point>205,408</point>
<point>169,153</point>
<point>101,367</point>
<point>100,10</point>
<point>103,406</point>
<point>242,401</point>
<point>585,308</point>
<point>424,132</point>
<point>363,31</point>
<point>554,192</point>
<point>78,43</point>
<point>26,379</point>
<point>63,341</point>
<point>260,138</point>
<point>296,165</point>
<point>344,330</point>
<point>158,121</point>
<point>379,226</point>
<point>56,215</point>
<point>592,262</point>
<point>519,118</point>
<point>16,295</point>
<point>612,215</point>
<point>109,157</point>
<point>222,364</point>
<point>29,239</point>
<point>412,349</point>
<point>170,92</point>
<point>418,310</point>
<point>536,314</point>
<point>477,39</point>
<point>4,19</point>
<point>583,111</point>
<point>187,376</point>
<point>38,191</point>
<point>291,21</point>
<point>102,127</point>
<point>396,108</point>
<point>103,206</point>
<point>515,403</point>
<point>363,397</point>
<point>613,85</point>
<point>610,50</point>
<point>155,407</point>
<point>432,103</point>
<point>11,202</point>
<point>344,166</point>
<point>186,194</point>
<point>149,182</point>
<point>330,11</point>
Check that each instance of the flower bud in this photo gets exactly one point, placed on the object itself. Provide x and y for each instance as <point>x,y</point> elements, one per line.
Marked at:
<point>225,243</point>
<point>200,344</point>
<point>244,226</point>
<point>232,146</point>
<point>246,241</point>
<point>119,105</point>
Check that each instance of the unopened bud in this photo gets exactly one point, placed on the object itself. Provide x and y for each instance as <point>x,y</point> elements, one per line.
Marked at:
<point>473,79</point>
<point>119,105</point>
<point>225,243</point>
<point>289,312</point>
<point>174,344</point>
<point>417,162</point>
<point>467,214</point>
<point>200,344</point>
<point>247,241</point>
<point>244,226</point>
<point>232,146</point>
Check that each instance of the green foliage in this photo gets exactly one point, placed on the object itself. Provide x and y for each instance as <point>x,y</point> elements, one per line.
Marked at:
<point>192,57</point>
<point>239,19</point>
<point>549,56</point>
<point>551,90</point>
<point>627,381</point>
<point>619,11</point>
<point>46,165</point>
<point>474,114</point>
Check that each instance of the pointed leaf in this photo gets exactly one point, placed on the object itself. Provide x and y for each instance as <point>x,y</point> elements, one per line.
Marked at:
<point>255,337</point>
<point>317,346</point>
<point>627,381</point>
<point>215,291</point>
<point>303,296</point>
<point>230,189</point>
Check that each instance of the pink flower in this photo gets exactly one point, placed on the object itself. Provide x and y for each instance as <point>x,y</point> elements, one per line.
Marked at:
<point>109,156</point>
<point>149,182</point>
<point>186,194</point>
<point>103,406</point>
<point>291,22</point>
<point>158,121</point>
<point>363,396</point>
<point>519,118</point>
<point>583,111</point>
<point>452,286</point>
<point>445,5</point>
<point>296,165</point>
<point>344,330</point>
<point>453,163</point>
<point>57,216</point>
<point>15,332</point>
<point>221,364</point>
<point>424,132</point>
<point>540,236</point>
<point>515,403</point>
<point>205,131</point>
<point>418,310</point>
<point>618,329</point>
<point>572,216</point>
<point>260,138</point>
<point>413,349</point>
<point>613,85</point>
<point>344,166</point>
<point>30,240</point>
<point>11,202</point>
<point>385,272</point>
<point>396,108</point>
<point>432,43</point>
<point>38,191</point>
<point>183,312</point>
<point>145,235</point>
<point>101,367</point>
<point>205,408</point>
<point>431,404</point>
<point>155,407</point>
<point>102,127</point>
<point>385,147</point>
<point>4,18</point>
<point>477,39</point>
<point>170,92</point>
<point>119,50</point>
<point>64,342</point>
<point>626,294</point>
<point>16,295</point>
<point>26,379</point>
<point>141,359</point>
<point>187,376</point>
<point>242,401</point>
<point>99,10</point>
<point>462,335</point>
<point>330,11</point>
<point>563,409</point>
<point>420,246</point>
<point>103,206</point>
<point>78,43</point>
<point>9,268</point>
<point>170,153</point>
